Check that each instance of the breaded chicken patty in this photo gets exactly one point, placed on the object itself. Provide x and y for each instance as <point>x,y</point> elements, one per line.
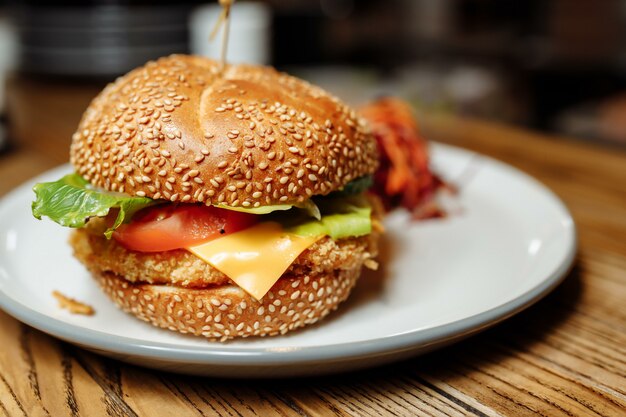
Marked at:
<point>178,291</point>
<point>181,268</point>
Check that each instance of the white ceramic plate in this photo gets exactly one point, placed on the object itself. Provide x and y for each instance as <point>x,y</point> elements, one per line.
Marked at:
<point>511,242</point>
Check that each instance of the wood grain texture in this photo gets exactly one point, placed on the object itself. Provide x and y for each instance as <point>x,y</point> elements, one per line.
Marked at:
<point>565,356</point>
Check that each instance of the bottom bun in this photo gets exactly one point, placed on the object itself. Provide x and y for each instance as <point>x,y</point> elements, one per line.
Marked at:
<point>226,311</point>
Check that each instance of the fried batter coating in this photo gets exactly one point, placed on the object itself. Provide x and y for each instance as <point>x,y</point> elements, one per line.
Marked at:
<point>183,269</point>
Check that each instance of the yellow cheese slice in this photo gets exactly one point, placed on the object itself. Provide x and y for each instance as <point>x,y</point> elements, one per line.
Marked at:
<point>255,258</point>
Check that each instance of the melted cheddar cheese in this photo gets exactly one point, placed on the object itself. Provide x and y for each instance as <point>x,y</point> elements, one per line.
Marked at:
<point>254,258</point>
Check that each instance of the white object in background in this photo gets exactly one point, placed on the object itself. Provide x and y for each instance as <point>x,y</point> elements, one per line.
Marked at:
<point>7,55</point>
<point>467,84</point>
<point>249,38</point>
<point>7,63</point>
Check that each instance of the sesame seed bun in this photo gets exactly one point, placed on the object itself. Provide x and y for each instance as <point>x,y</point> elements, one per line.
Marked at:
<point>225,312</point>
<point>175,129</point>
<point>211,305</point>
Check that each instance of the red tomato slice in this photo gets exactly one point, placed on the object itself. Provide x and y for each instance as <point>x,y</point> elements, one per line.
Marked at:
<point>168,227</point>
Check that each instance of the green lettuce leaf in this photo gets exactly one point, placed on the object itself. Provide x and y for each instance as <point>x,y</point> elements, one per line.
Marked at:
<point>341,218</point>
<point>71,202</point>
<point>355,187</point>
<point>308,206</point>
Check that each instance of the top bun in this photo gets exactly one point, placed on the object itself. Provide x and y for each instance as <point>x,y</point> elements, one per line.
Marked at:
<point>176,129</point>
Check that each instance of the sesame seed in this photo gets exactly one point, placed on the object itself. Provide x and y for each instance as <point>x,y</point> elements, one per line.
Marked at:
<point>133,152</point>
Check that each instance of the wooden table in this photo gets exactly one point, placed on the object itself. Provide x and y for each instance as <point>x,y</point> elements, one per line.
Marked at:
<point>566,356</point>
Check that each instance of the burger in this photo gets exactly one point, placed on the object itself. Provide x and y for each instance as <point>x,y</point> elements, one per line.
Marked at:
<point>219,203</point>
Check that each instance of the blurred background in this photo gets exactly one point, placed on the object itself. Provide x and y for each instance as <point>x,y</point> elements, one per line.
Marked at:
<point>553,65</point>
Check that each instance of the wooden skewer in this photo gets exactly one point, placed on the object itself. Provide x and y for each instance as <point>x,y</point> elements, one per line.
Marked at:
<point>224,18</point>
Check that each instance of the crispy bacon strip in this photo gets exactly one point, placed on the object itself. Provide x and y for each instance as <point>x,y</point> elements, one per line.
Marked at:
<point>404,178</point>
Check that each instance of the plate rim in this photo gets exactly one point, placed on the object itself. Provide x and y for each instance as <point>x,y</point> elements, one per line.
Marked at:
<point>267,356</point>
